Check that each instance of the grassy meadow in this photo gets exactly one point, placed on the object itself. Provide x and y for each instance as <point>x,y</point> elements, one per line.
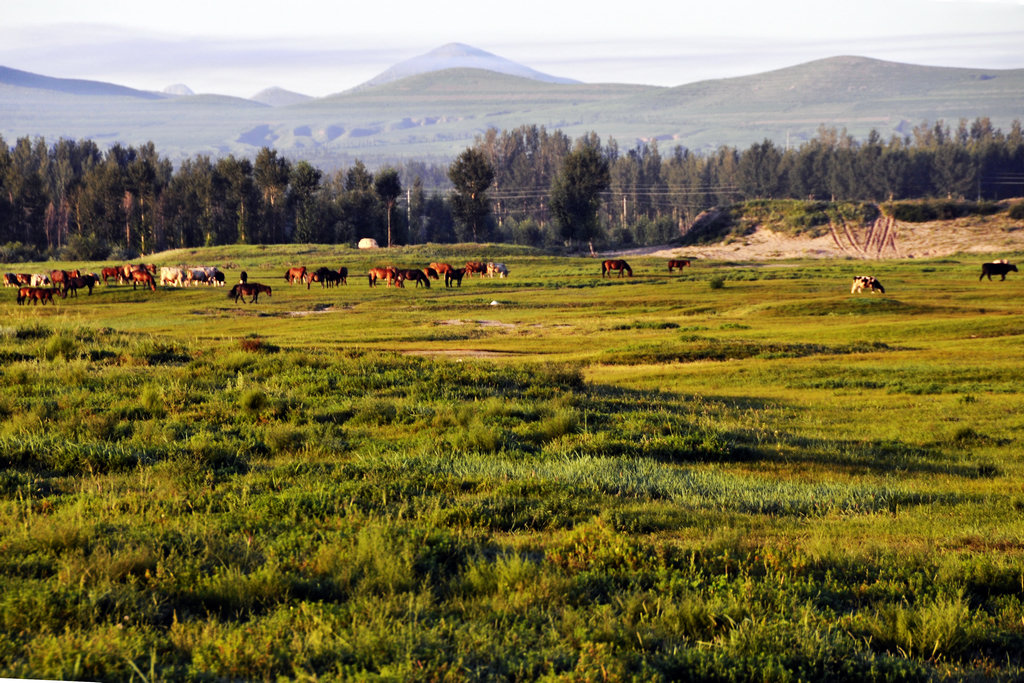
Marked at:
<point>736,472</point>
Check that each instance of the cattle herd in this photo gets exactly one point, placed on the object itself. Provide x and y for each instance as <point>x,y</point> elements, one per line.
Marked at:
<point>39,288</point>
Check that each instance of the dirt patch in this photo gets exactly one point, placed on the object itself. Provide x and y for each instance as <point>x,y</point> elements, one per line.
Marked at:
<point>895,239</point>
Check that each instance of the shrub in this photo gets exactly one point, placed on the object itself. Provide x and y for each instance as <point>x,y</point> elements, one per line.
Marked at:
<point>717,282</point>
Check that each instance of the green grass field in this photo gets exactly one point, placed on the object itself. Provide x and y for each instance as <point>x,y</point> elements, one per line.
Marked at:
<point>737,472</point>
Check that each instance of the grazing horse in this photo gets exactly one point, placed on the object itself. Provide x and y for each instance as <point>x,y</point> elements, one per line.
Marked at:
<point>868,282</point>
<point>343,275</point>
<point>475,267</point>
<point>294,275</point>
<point>996,268</point>
<point>441,268</point>
<point>616,264</point>
<point>10,280</point>
<point>431,273</point>
<point>388,274</point>
<point>677,263</point>
<point>244,289</point>
<point>110,272</point>
<point>77,282</point>
<point>36,295</point>
<point>325,276</point>
<point>454,275</point>
<point>417,275</point>
<point>142,275</point>
<point>60,278</point>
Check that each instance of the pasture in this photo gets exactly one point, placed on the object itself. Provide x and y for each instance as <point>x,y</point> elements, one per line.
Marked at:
<point>733,471</point>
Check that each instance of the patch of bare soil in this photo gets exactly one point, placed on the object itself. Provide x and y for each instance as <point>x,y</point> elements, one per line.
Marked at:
<point>884,239</point>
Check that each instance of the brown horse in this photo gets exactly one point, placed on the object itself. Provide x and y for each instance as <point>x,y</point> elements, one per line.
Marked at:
<point>416,275</point>
<point>431,273</point>
<point>294,275</point>
<point>77,282</point>
<point>325,276</point>
<point>677,263</point>
<point>60,278</point>
<point>388,274</point>
<point>454,275</point>
<point>244,289</point>
<point>36,295</point>
<point>441,268</point>
<point>143,276</point>
<point>10,280</point>
<point>475,267</point>
<point>110,273</point>
<point>616,264</point>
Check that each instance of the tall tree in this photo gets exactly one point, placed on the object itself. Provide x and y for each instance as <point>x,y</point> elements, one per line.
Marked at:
<point>576,193</point>
<point>471,174</point>
<point>305,181</point>
<point>270,173</point>
<point>387,186</point>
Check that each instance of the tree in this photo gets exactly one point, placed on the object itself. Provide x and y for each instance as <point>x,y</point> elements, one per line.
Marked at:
<point>471,174</point>
<point>270,173</point>
<point>388,187</point>
<point>305,181</point>
<point>576,193</point>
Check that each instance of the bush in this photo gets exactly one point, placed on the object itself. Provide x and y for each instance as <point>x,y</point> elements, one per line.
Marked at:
<point>717,282</point>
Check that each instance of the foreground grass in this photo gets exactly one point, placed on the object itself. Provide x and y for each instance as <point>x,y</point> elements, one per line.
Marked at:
<point>587,480</point>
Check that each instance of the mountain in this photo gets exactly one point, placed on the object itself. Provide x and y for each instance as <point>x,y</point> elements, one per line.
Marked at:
<point>178,89</point>
<point>279,97</point>
<point>458,56</point>
<point>70,86</point>
<point>432,116</point>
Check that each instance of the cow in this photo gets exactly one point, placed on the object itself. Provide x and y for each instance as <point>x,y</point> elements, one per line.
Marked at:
<point>1001,268</point>
<point>497,268</point>
<point>869,282</point>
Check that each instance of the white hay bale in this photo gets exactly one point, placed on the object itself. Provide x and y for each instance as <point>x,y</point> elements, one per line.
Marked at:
<point>368,243</point>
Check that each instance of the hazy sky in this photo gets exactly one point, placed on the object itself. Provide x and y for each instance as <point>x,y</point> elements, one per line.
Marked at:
<point>319,47</point>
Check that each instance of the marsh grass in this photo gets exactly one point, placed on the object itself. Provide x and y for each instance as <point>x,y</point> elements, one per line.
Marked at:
<point>651,479</point>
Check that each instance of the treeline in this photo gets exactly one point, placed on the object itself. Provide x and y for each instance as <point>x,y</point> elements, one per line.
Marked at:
<point>74,200</point>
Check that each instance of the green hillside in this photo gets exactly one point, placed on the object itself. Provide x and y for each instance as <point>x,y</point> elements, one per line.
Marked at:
<point>434,116</point>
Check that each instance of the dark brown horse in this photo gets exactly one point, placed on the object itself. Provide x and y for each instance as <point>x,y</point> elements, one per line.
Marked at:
<point>677,263</point>
<point>418,276</point>
<point>251,289</point>
<point>431,273</point>
<point>36,295</point>
<point>294,275</point>
<point>454,275</point>
<point>325,276</point>
<point>616,264</point>
<point>77,282</point>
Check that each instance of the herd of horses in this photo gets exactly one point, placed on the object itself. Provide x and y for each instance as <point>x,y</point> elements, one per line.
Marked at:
<point>41,288</point>
<point>397,277</point>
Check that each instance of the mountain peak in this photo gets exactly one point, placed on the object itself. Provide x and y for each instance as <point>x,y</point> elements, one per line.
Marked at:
<point>459,56</point>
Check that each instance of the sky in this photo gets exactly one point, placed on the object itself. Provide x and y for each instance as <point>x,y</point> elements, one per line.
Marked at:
<point>321,47</point>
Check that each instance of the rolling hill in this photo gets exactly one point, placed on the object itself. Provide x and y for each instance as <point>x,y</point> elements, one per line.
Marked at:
<point>434,114</point>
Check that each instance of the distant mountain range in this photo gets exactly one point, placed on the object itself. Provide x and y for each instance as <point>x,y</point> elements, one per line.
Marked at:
<point>431,107</point>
